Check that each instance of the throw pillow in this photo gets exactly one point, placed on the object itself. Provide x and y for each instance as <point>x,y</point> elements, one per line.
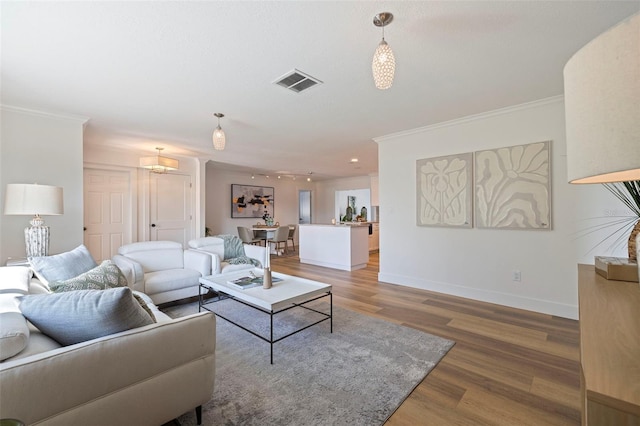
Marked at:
<point>14,334</point>
<point>63,266</point>
<point>77,316</point>
<point>143,303</point>
<point>104,276</point>
<point>240,260</point>
<point>14,279</point>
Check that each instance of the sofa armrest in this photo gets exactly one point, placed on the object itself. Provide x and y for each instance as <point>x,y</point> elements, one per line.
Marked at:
<point>116,378</point>
<point>256,252</point>
<point>132,271</point>
<point>197,260</point>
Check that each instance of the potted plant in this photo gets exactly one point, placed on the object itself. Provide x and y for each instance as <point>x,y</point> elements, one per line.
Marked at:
<point>629,194</point>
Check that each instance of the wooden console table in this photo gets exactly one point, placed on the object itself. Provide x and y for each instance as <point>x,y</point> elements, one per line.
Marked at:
<point>609,349</point>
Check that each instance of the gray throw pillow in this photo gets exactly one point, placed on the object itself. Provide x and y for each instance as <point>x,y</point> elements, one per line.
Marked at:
<point>63,266</point>
<point>77,316</point>
<point>104,276</point>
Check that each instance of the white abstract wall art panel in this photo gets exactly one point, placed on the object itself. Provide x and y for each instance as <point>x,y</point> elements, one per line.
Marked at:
<point>513,187</point>
<point>443,191</point>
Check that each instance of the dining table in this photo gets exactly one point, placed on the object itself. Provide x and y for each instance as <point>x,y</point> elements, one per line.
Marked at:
<point>270,232</point>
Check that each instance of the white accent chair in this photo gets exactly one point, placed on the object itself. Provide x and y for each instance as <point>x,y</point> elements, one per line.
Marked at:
<point>214,247</point>
<point>163,269</point>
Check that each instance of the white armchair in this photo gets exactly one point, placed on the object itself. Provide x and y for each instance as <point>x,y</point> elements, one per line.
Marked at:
<point>162,269</point>
<point>214,247</point>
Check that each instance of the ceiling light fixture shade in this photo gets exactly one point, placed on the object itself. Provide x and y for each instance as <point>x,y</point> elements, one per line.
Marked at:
<point>219,138</point>
<point>384,62</point>
<point>159,164</point>
<point>602,107</point>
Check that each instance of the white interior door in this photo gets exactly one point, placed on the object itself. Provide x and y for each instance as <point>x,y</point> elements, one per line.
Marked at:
<point>170,207</point>
<point>107,212</point>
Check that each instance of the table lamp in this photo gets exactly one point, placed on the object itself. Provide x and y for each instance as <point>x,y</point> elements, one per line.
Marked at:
<point>602,107</point>
<point>36,200</point>
<point>602,110</point>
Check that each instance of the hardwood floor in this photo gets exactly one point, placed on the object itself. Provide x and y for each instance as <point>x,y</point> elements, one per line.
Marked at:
<point>508,366</point>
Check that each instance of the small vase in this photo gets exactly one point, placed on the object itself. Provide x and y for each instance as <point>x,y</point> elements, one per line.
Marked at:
<point>266,279</point>
<point>632,242</point>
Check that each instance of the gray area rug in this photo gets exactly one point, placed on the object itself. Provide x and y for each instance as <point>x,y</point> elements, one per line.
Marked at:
<point>357,375</point>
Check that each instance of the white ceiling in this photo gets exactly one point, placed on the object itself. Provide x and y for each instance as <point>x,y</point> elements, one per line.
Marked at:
<point>153,73</point>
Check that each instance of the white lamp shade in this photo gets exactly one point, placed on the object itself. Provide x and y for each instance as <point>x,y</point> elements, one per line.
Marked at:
<point>219,139</point>
<point>27,199</point>
<point>383,66</point>
<point>602,107</point>
<point>159,163</point>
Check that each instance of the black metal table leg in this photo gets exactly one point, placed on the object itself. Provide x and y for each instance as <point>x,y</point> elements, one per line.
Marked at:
<point>271,316</point>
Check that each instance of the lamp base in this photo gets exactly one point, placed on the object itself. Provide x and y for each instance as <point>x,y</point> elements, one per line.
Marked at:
<point>36,239</point>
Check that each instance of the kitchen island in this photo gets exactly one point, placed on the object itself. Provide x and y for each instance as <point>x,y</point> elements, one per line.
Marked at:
<point>344,247</point>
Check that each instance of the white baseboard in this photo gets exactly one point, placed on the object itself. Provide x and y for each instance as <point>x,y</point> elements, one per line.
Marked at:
<point>512,300</point>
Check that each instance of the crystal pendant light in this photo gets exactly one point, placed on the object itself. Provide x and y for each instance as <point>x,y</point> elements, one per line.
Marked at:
<point>384,63</point>
<point>219,138</point>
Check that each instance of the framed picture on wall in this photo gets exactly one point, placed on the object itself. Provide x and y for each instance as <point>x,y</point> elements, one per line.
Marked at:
<point>444,191</point>
<point>250,201</point>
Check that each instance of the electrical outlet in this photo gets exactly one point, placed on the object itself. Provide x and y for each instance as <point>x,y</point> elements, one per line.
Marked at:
<point>517,276</point>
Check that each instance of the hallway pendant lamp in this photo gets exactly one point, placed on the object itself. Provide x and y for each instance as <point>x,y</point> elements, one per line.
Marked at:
<point>384,63</point>
<point>219,137</point>
<point>36,200</point>
<point>602,107</point>
<point>159,163</point>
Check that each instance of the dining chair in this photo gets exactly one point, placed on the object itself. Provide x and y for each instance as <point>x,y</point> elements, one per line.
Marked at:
<point>292,232</point>
<point>280,237</point>
<point>246,236</point>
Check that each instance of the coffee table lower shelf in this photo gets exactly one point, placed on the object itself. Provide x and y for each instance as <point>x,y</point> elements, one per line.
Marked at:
<point>202,304</point>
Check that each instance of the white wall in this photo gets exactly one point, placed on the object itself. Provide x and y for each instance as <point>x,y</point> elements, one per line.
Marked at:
<point>41,148</point>
<point>479,263</point>
<point>218,199</point>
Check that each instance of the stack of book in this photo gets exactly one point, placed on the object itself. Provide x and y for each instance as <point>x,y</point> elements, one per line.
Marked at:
<point>243,283</point>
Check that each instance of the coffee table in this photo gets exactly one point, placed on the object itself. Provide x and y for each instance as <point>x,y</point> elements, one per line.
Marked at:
<point>291,292</point>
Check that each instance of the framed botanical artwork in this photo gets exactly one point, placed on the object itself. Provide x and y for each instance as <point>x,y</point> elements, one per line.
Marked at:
<point>250,201</point>
<point>513,187</point>
<point>444,191</point>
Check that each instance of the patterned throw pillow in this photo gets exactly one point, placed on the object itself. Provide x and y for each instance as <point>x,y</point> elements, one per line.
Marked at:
<point>104,276</point>
<point>241,260</point>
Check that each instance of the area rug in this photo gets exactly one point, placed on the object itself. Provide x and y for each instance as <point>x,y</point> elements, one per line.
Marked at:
<point>357,375</point>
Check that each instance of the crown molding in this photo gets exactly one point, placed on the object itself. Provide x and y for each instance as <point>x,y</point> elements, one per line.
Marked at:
<point>11,108</point>
<point>471,118</point>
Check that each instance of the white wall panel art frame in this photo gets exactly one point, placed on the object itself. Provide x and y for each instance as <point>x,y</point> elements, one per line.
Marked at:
<point>444,191</point>
<point>513,187</point>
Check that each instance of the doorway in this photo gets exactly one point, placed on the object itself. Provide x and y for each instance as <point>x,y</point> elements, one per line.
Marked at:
<point>304,207</point>
<point>170,215</point>
<point>108,219</point>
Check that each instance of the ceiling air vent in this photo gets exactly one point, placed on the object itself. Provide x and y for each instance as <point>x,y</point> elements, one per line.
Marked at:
<point>297,81</point>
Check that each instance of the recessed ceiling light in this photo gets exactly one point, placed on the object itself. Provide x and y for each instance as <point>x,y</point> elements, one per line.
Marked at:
<point>353,160</point>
